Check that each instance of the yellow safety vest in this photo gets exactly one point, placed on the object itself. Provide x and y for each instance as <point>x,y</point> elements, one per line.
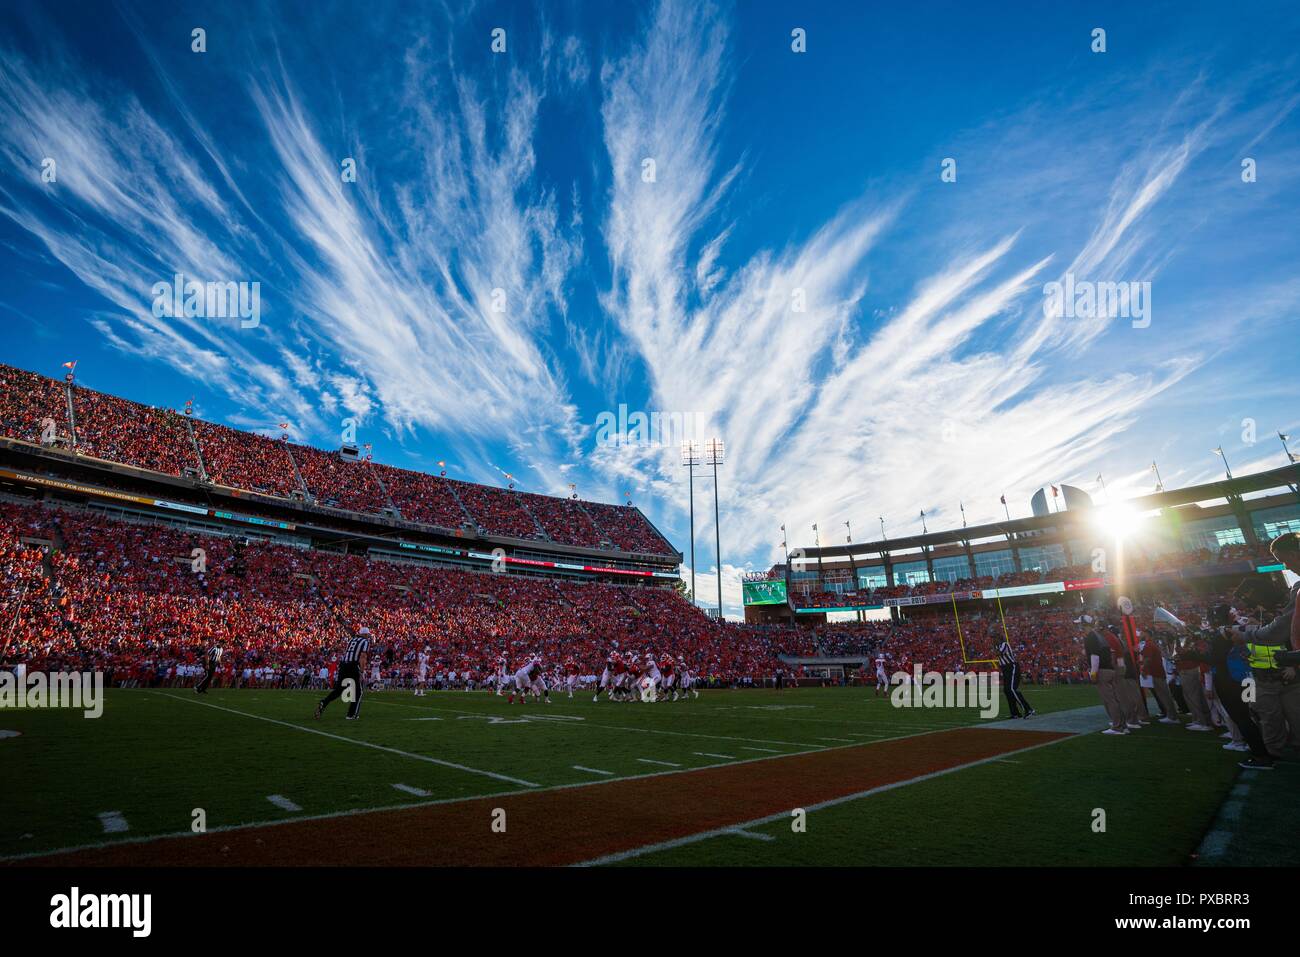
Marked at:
<point>1261,656</point>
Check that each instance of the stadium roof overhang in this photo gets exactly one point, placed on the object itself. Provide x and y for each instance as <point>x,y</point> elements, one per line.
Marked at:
<point>1284,477</point>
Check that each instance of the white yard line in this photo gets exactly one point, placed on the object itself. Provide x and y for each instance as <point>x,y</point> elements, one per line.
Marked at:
<point>768,750</point>
<point>418,792</point>
<point>710,754</point>
<point>113,822</point>
<point>579,767</point>
<point>282,802</point>
<point>784,815</point>
<point>667,764</point>
<point>357,741</point>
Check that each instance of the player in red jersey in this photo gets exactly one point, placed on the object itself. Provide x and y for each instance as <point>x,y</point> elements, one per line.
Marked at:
<point>668,675</point>
<point>570,675</point>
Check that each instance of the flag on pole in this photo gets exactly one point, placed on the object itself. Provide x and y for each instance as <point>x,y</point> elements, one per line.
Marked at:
<point>1003,498</point>
<point>1055,491</point>
<point>71,365</point>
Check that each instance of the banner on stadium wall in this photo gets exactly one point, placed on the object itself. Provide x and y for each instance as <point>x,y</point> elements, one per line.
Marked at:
<point>944,598</point>
<point>1085,583</point>
<point>769,592</point>
<point>178,507</point>
<point>817,611</point>
<point>254,520</point>
<point>1011,591</point>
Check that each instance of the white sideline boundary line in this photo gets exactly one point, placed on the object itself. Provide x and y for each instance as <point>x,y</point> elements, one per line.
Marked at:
<point>356,741</point>
<point>752,835</point>
<point>353,812</point>
<point>782,815</point>
<point>282,802</point>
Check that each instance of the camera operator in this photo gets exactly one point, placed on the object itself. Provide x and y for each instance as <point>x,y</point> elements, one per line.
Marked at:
<point>1277,695</point>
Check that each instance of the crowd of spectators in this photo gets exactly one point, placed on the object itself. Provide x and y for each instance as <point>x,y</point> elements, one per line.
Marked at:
<point>133,434</point>
<point>117,430</point>
<point>563,519</point>
<point>27,401</point>
<point>423,498</point>
<point>1042,640</point>
<point>627,528</point>
<point>245,460</point>
<point>139,601</point>
<point>498,511</point>
<point>338,483</point>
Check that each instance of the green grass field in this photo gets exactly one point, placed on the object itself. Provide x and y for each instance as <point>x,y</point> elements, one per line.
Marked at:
<point>254,757</point>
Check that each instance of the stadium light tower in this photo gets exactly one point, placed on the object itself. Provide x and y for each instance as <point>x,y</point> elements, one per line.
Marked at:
<point>690,459</point>
<point>714,454</point>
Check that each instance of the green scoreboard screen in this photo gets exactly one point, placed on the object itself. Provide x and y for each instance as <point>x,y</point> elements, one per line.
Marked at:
<point>770,592</point>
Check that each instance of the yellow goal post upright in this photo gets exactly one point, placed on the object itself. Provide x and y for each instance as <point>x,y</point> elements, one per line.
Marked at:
<point>962,641</point>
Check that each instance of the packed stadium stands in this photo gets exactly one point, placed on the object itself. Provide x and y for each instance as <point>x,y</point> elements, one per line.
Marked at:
<point>138,599</point>
<point>160,440</point>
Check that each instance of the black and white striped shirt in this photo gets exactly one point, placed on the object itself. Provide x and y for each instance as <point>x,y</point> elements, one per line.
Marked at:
<point>214,655</point>
<point>357,647</point>
<point>1005,658</point>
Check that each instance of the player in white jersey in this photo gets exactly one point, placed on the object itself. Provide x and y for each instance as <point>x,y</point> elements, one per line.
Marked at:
<point>882,679</point>
<point>606,677</point>
<point>529,678</point>
<point>686,680</point>
<point>648,683</point>
<point>422,667</point>
<point>502,676</point>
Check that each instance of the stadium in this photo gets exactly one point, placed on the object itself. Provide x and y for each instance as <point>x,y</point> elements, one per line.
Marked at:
<point>842,449</point>
<point>137,539</point>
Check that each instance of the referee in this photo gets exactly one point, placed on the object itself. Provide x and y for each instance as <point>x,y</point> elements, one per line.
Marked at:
<point>1011,681</point>
<point>211,658</point>
<point>350,668</point>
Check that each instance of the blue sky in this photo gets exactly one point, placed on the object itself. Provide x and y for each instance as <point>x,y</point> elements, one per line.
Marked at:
<point>867,338</point>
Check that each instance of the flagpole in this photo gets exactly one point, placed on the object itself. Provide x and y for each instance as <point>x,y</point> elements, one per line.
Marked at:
<point>1226,467</point>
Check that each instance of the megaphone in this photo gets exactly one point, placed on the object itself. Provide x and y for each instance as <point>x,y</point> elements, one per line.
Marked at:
<point>1167,617</point>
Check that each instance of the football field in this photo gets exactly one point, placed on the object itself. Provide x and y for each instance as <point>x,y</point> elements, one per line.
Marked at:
<point>804,777</point>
